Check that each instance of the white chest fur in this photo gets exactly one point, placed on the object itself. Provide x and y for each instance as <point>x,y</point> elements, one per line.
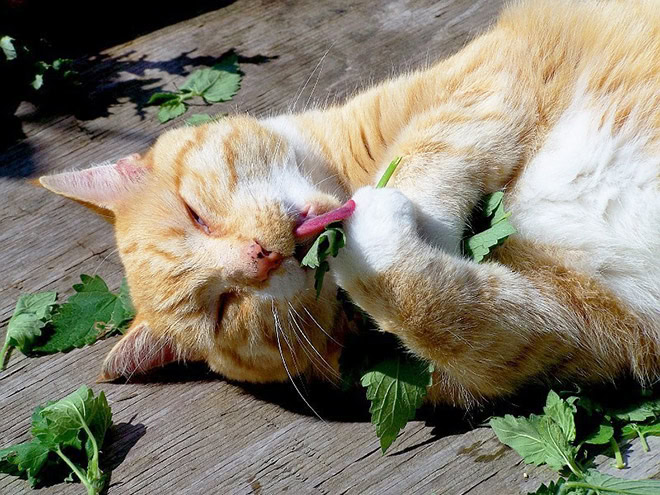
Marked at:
<point>596,190</point>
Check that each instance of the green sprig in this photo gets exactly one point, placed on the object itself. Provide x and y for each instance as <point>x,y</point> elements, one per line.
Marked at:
<point>212,85</point>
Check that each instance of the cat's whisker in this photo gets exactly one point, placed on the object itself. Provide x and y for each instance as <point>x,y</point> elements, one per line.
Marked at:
<point>294,358</point>
<point>302,90</point>
<point>312,359</point>
<point>321,328</point>
<point>278,329</point>
<point>332,176</point>
<point>318,76</point>
<point>104,260</point>
<point>302,333</point>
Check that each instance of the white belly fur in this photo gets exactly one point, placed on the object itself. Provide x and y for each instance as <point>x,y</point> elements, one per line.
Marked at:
<point>597,191</point>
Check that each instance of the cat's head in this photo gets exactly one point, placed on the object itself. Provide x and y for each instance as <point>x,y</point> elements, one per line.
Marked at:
<point>204,225</point>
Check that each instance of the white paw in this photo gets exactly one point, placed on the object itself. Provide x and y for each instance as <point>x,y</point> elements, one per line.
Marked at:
<point>383,224</point>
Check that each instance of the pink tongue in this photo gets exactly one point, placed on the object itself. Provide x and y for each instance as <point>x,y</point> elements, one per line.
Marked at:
<point>316,225</point>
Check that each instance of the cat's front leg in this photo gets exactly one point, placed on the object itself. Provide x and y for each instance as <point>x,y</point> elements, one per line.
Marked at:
<point>486,328</point>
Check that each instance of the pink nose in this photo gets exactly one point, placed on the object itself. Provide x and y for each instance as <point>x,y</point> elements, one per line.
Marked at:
<point>264,261</point>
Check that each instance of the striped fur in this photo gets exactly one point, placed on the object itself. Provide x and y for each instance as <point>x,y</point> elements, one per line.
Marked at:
<point>558,103</point>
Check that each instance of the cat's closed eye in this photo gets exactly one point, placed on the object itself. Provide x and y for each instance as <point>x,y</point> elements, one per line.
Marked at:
<point>199,222</point>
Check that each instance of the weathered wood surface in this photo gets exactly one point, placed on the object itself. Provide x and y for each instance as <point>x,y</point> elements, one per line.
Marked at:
<point>186,430</point>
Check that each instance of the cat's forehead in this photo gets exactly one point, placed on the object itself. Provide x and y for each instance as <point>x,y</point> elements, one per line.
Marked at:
<point>233,146</point>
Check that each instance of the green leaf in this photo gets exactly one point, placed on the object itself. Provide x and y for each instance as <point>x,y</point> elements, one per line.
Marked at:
<point>25,459</point>
<point>203,118</point>
<point>331,240</point>
<point>171,110</point>
<point>553,488</point>
<point>631,431</point>
<point>30,316</point>
<point>38,81</point>
<point>319,276</point>
<point>73,422</point>
<point>638,412</point>
<point>89,314</point>
<point>160,98</point>
<point>605,484</point>
<point>491,203</point>
<point>8,48</point>
<point>497,228</point>
<point>61,422</point>
<point>219,83</point>
<point>561,412</point>
<point>99,423</point>
<point>538,440</point>
<point>479,245</point>
<point>396,388</point>
<point>601,435</point>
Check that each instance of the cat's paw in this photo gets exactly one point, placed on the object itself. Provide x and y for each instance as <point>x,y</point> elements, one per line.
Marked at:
<point>383,223</point>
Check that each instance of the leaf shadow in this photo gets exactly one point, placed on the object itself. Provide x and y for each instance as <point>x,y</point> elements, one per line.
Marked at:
<point>330,402</point>
<point>122,437</point>
<point>110,82</point>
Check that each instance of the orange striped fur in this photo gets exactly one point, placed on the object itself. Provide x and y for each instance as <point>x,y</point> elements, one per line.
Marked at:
<point>550,76</point>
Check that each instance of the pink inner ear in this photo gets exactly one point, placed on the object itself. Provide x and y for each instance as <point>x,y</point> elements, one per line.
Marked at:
<point>136,353</point>
<point>104,186</point>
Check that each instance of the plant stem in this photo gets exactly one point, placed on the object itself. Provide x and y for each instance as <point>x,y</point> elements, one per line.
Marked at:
<point>93,465</point>
<point>388,172</point>
<point>575,469</point>
<point>83,479</point>
<point>4,355</point>
<point>576,484</point>
<point>617,454</point>
<point>641,436</point>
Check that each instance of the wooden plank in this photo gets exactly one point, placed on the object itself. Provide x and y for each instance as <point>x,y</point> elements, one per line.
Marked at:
<point>188,431</point>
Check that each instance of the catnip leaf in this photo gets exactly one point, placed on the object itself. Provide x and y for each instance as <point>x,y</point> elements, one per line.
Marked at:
<point>160,98</point>
<point>92,312</point>
<point>605,484</point>
<point>601,436</point>
<point>25,460</point>
<point>218,83</point>
<point>61,422</point>
<point>8,48</point>
<point>553,488</point>
<point>331,240</point>
<point>29,318</point>
<point>497,228</point>
<point>537,439</point>
<point>491,203</point>
<point>203,118</point>
<point>479,245</point>
<point>638,412</point>
<point>631,431</point>
<point>60,427</point>
<point>328,243</point>
<point>319,275</point>
<point>562,413</point>
<point>171,110</point>
<point>396,388</point>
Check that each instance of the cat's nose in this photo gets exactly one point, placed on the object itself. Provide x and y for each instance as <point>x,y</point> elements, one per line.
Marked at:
<point>264,261</point>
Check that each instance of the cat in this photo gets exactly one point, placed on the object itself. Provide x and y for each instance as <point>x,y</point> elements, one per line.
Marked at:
<point>558,104</point>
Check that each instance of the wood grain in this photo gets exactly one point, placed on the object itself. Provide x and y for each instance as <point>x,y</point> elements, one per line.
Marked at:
<point>186,430</point>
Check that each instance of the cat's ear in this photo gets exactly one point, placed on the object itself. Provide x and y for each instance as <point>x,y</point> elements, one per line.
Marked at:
<point>136,353</point>
<point>100,188</point>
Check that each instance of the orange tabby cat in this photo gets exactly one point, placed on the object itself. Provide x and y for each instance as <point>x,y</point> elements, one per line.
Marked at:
<point>559,104</point>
